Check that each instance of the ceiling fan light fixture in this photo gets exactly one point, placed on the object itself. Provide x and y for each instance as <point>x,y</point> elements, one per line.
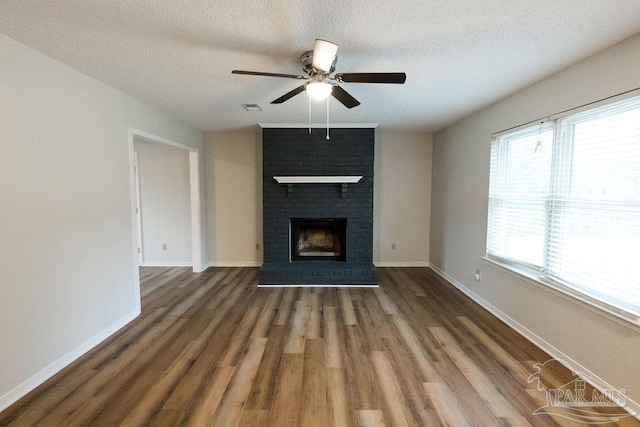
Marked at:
<point>318,90</point>
<point>324,53</point>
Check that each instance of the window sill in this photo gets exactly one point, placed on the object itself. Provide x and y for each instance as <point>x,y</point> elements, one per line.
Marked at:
<point>623,318</point>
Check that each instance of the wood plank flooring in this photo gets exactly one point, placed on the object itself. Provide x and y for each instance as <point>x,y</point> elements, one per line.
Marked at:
<point>213,349</point>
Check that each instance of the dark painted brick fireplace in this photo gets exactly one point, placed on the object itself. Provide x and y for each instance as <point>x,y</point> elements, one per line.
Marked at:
<point>295,152</point>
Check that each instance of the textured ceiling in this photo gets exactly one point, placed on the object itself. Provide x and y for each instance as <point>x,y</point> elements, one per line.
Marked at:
<point>459,55</point>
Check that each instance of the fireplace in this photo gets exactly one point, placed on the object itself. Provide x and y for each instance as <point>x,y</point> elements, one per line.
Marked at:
<point>318,239</point>
<point>317,202</point>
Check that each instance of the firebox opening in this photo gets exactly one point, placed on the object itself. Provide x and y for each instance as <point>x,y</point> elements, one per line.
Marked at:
<point>314,239</point>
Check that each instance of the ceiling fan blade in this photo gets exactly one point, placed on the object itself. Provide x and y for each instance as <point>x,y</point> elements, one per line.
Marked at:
<point>324,53</point>
<point>288,95</point>
<point>259,73</point>
<point>397,78</point>
<point>344,97</point>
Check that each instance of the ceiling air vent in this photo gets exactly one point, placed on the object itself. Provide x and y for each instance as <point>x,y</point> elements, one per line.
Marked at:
<point>251,107</point>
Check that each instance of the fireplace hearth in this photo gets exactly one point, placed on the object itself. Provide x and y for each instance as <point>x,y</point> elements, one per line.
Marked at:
<point>317,225</point>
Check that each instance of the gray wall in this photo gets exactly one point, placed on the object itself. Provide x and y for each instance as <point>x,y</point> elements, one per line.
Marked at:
<point>604,350</point>
<point>68,276</point>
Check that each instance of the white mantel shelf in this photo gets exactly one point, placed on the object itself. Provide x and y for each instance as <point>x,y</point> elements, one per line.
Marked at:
<point>310,179</point>
<point>318,179</point>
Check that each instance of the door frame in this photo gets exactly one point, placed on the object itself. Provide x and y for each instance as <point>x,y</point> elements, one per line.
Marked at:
<point>139,247</point>
<point>195,186</point>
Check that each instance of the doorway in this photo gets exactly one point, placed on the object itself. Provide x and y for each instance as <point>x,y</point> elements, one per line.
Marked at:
<point>195,196</point>
<point>164,209</point>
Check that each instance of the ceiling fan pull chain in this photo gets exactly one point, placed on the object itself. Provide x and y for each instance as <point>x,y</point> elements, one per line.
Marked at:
<point>309,114</point>
<point>327,117</point>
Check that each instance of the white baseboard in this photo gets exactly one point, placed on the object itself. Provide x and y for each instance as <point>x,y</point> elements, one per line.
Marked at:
<point>259,263</point>
<point>202,268</point>
<point>167,264</point>
<point>401,264</point>
<point>23,389</point>
<point>235,263</point>
<point>631,406</point>
<point>318,286</point>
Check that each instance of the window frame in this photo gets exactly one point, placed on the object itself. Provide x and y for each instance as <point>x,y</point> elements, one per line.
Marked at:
<point>563,145</point>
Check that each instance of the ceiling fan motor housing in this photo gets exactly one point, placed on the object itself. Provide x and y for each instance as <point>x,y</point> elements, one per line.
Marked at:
<point>307,64</point>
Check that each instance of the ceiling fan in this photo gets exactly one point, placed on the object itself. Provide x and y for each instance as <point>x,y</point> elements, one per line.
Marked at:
<point>318,64</point>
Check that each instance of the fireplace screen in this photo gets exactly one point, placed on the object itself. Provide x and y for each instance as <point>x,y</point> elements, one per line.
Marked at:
<point>318,239</point>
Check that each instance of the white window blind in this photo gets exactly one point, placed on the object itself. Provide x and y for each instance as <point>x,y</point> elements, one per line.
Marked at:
<point>564,200</point>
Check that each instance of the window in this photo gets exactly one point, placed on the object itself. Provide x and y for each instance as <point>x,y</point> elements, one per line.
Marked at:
<point>564,204</point>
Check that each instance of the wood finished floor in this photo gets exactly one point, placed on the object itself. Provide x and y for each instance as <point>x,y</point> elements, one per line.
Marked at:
<point>213,349</point>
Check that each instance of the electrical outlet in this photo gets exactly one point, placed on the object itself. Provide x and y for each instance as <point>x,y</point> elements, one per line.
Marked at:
<point>164,246</point>
<point>393,246</point>
<point>477,275</point>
